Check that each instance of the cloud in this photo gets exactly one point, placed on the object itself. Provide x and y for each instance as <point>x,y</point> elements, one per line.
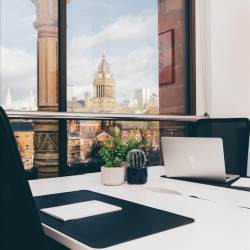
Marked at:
<point>18,72</point>
<point>29,20</point>
<point>125,28</point>
<point>138,69</point>
<point>95,4</point>
<point>135,68</point>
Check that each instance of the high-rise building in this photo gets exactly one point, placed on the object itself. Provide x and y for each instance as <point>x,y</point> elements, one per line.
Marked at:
<point>31,100</point>
<point>71,93</point>
<point>104,89</point>
<point>87,100</point>
<point>8,101</point>
<point>142,96</point>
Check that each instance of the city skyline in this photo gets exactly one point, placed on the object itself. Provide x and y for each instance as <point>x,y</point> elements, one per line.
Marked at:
<point>134,61</point>
<point>103,98</point>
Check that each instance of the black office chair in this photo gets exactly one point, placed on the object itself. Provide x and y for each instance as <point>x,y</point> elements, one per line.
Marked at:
<point>20,224</point>
<point>235,135</point>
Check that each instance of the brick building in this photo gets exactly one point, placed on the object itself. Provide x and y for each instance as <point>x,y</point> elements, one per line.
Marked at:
<point>76,125</point>
<point>80,144</point>
<point>23,132</point>
<point>172,79</point>
<point>148,130</point>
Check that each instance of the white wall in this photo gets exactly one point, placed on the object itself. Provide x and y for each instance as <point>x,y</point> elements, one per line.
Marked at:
<point>227,57</point>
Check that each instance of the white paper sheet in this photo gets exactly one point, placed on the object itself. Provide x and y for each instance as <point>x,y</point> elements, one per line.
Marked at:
<point>243,183</point>
<point>80,210</point>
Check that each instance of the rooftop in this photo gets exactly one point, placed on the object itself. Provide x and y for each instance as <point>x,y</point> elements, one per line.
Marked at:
<point>22,126</point>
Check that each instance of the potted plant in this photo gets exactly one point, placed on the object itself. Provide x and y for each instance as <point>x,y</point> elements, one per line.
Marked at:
<point>112,151</point>
<point>136,172</point>
<point>132,143</point>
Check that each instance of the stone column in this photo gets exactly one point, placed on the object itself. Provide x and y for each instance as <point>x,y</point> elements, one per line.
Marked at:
<point>46,131</point>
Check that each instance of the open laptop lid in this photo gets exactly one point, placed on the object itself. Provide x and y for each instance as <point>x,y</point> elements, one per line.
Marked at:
<point>194,158</point>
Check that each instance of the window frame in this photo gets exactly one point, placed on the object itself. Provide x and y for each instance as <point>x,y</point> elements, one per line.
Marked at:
<point>190,72</point>
<point>27,160</point>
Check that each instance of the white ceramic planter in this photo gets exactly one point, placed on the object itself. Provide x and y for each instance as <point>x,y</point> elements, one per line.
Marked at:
<point>112,176</point>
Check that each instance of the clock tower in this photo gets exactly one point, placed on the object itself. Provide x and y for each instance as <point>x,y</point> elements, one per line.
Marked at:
<point>104,89</point>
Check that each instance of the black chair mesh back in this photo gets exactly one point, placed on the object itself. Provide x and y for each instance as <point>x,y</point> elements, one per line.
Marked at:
<point>20,224</point>
<point>235,135</point>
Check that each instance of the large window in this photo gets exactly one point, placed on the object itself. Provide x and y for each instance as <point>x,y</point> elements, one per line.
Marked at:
<point>123,57</point>
<point>18,55</point>
<point>113,56</point>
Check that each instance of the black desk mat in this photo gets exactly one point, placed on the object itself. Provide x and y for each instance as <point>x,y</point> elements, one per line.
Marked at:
<point>224,185</point>
<point>132,222</point>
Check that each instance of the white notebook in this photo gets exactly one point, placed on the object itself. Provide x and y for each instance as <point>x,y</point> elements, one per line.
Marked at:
<point>80,210</point>
<point>242,183</point>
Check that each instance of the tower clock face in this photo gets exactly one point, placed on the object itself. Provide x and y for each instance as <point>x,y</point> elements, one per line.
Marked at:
<point>100,75</point>
<point>108,75</point>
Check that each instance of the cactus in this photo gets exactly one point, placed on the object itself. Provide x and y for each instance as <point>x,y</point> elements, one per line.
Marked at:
<point>136,158</point>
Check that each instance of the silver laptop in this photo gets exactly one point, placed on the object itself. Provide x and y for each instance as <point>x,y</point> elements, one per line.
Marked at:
<point>195,158</point>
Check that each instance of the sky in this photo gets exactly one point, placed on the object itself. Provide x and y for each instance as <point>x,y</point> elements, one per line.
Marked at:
<point>127,30</point>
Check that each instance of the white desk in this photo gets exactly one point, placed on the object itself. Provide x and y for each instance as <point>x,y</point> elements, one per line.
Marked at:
<point>219,223</point>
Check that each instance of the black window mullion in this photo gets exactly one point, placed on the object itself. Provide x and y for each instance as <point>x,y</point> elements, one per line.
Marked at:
<point>62,86</point>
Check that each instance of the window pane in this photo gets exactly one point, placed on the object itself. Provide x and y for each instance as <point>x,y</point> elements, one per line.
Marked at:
<point>38,147</point>
<point>128,56</point>
<point>18,55</point>
<point>22,128</point>
<point>29,76</point>
<point>113,56</point>
<point>83,145</point>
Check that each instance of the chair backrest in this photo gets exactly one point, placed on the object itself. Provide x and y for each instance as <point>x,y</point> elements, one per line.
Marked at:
<point>248,161</point>
<point>235,135</point>
<point>20,223</point>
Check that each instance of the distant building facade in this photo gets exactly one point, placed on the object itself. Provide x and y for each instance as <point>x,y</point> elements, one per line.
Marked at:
<point>23,132</point>
<point>80,144</point>
<point>8,101</point>
<point>76,125</point>
<point>154,100</point>
<point>87,100</point>
<point>104,89</point>
<point>30,104</point>
<point>142,96</point>
<point>147,130</point>
<point>76,105</point>
<point>71,93</point>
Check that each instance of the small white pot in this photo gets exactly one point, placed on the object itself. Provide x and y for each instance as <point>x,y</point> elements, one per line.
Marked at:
<point>112,176</point>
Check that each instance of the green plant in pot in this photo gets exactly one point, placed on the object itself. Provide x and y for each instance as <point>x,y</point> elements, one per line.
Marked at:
<point>132,143</point>
<point>113,172</point>
<point>137,172</point>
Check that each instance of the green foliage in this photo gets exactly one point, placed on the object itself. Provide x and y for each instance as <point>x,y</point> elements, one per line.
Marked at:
<point>113,151</point>
<point>136,158</point>
<point>109,164</point>
<point>133,142</point>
